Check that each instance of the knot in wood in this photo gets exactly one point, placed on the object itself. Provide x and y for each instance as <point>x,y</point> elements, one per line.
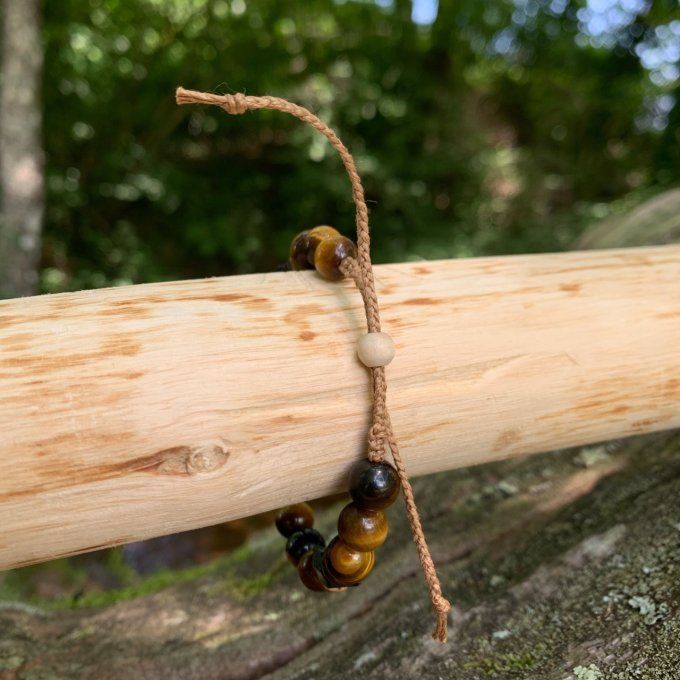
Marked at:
<point>206,458</point>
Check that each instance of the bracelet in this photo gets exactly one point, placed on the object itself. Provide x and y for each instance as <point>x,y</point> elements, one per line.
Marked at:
<point>362,525</point>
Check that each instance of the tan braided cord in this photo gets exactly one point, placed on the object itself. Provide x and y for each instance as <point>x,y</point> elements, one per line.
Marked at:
<point>380,435</point>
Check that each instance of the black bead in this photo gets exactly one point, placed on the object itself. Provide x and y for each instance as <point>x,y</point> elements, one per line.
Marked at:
<point>301,542</point>
<point>309,570</point>
<point>374,486</point>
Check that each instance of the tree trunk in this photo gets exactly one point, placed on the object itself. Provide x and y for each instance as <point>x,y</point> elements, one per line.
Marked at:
<point>21,156</point>
<point>172,445</point>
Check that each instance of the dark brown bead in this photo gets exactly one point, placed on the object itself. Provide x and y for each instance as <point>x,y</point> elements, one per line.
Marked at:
<point>308,572</point>
<point>299,252</point>
<point>362,529</point>
<point>294,518</point>
<point>345,566</point>
<point>330,254</point>
<point>316,235</point>
<point>374,486</point>
<point>301,542</point>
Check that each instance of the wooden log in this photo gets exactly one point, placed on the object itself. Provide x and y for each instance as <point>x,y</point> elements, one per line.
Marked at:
<point>133,412</point>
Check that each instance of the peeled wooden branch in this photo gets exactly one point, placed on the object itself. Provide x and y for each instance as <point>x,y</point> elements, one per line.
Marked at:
<point>134,412</point>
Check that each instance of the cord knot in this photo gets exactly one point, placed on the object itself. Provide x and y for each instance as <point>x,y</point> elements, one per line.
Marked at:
<point>376,442</point>
<point>235,104</point>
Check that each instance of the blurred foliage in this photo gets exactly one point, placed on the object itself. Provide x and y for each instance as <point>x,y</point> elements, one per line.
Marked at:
<point>495,128</point>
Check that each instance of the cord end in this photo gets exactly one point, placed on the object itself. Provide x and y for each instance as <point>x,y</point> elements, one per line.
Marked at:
<point>232,103</point>
<point>182,96</point>
<point>440,631</point>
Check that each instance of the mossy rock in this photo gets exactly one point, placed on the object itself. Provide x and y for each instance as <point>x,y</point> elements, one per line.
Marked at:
<point>561,565</point>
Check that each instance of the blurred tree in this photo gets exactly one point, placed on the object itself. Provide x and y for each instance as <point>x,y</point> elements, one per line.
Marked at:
<point>496,128</point>
<point>21,156</point>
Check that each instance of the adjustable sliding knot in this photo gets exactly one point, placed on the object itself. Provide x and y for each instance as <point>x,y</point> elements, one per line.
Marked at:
<point>376,443</point>
<point>334,260</point>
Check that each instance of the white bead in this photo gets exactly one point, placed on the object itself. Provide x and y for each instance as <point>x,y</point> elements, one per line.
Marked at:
<point>375,349</point>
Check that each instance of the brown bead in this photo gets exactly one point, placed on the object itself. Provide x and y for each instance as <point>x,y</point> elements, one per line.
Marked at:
<point>299,252</point>
<point>344,566</point>
<point>316,235</point>
<point>330,254</point>
<point>294,518</point>
<point>363,530</point>
<point>345,560</point>
<point>308,572</point>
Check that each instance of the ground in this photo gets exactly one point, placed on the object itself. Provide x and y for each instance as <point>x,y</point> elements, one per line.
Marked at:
<point>561,565</point>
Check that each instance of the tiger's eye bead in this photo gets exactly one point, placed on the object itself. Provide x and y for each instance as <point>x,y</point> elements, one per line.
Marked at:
<point>308,572</point>
<point>344,566</point>
<point>301,542</point>
<point>299,252</point>
<point>294,518</point>
<point>316,235</point>
<point>362,529</point>
<point>374,486</point>
<point>330,254</point>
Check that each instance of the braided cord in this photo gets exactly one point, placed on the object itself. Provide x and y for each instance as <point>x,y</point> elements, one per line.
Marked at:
<point>380,434</point>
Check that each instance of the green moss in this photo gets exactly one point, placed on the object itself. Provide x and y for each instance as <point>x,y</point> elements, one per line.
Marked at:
<point>170,577</point>
<point>243,588</point>
<point>17,584</point>
<point>14,584</point>
<point>121,571</point>
<point>504,663</point>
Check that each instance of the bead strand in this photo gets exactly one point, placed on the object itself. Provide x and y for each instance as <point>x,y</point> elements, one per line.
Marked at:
<point>325,249</point>
<point>362,527</point>
<point>322,248</point>
<point>374,486</point>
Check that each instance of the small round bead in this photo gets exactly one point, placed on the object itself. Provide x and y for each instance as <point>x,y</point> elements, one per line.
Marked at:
<point>361,529</point>
<point>375,349</point>
<point>294,518</point>
<point>374,486</point>
<point>301,542</point>
<point>344,566</point>
<point>299,252</point>
<point>347,561</point>
<point>316,235</point>
<point>308,572</point>
<point>330,254</point>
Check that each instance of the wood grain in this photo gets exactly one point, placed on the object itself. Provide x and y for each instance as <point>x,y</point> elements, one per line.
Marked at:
<point>134,412</point>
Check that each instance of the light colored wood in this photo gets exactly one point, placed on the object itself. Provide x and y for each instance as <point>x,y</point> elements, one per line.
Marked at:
<point>134,412</point>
